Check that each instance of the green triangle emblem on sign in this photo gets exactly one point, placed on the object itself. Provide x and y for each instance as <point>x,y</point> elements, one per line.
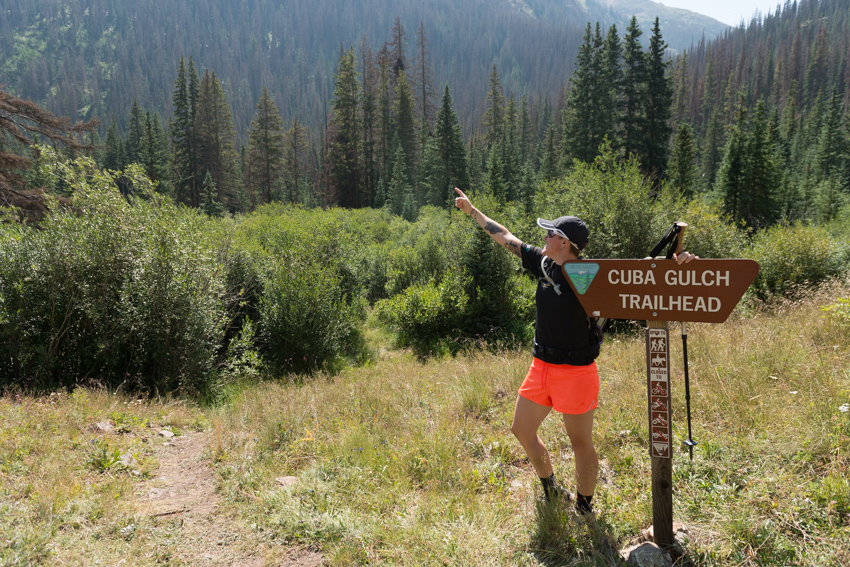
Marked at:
<point>581,274</point>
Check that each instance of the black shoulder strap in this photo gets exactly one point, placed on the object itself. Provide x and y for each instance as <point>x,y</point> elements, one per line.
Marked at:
<point>669,238</point>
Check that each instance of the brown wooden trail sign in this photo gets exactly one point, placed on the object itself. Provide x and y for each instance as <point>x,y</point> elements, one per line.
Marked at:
<point>659,291</point>
<point>704,291</point>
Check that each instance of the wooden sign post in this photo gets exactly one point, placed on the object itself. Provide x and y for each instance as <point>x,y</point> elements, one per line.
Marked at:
<point>660,291</point>
<point>661,429</point>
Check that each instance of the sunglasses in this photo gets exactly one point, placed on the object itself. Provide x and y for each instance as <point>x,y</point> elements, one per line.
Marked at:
<point>555,232</point>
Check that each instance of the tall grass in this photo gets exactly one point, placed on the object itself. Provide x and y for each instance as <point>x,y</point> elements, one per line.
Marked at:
<point>405,462</point>
<point>401,462</point>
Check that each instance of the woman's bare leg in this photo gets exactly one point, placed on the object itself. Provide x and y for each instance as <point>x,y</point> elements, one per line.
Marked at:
<point>580,431</point>
<point>528,416</point>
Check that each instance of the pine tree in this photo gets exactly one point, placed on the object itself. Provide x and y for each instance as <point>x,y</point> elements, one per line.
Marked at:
<point>135,133</point>
<point>477,155</point>
<point>264,162</point>
<point>633,122</point>
<point>370,122</point>
<point>423,83</point>
<point>210,204</point>
<point>185,168</point>
<point>682,86</point>
<point>764,176</point>
<point>712,151</point>
<point>405,121</point>
<point>493,122</point>
<point>656,108</point>
<point>385,126</point>
<point>527,188</point>
<point>344,134</point>
<point>549,161</point>
<point>496,185</point>
<point>294,168</point>
<point>216,140</point>
<point>510,151</point>
<point>750,173</point>
<point>682,169</point>
<point>114,157</point>
<point>732,180</point>
<point>153,153</point>
<point>609,95</point>
<point>708,99</point>
<point>526,138</point>
<point>580,121</point>
<point>451,168</point>
<point>398,50</point>
<point>831,157</point>
<point>400,192</point>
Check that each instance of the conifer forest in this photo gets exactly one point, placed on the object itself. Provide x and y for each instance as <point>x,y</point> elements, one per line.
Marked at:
<point>219,114</point>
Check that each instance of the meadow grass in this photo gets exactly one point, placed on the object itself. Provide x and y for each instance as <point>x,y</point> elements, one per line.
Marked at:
<point>405,462</point>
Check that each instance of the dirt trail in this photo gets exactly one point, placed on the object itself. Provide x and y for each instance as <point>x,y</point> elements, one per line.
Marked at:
<point>184,487</point>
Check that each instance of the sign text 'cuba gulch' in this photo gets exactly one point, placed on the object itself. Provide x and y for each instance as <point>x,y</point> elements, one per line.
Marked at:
<point>705,291</point>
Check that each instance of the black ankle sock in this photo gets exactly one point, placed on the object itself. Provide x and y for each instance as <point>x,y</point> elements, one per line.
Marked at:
<point>551,489</point>
<point>583,504</point>
<point>550,486</point>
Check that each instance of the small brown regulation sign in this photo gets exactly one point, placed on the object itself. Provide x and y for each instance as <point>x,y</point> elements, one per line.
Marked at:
<point>704,291</point>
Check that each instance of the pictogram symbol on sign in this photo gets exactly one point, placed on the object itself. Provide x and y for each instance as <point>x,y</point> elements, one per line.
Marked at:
<point>658,404</point>
<point>660,450</point>
<point>659,434</point>
<point>659,389</point>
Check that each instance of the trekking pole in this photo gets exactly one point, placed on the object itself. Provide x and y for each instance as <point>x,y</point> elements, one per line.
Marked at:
<point>690,441</point>
<point>678,234</point>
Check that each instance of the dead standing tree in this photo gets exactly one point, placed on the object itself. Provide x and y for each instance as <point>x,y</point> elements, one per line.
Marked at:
<point>22,120</point>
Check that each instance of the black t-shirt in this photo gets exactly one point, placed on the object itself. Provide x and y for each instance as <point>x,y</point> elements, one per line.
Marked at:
<point>562,332</point>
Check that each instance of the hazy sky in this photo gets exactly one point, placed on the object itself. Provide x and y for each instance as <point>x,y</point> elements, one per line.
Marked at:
<point>727,11</point>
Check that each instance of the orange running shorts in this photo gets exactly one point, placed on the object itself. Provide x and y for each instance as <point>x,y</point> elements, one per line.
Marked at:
<point>563,387</point>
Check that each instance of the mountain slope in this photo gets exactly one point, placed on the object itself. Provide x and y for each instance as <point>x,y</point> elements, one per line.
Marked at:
<point>93,57</point>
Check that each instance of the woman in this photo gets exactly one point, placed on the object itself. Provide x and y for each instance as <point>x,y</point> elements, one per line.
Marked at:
<point>563,374</point>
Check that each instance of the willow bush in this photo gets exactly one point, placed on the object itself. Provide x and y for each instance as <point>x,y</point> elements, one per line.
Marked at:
<point>110,292</point>
<point>793,258</point>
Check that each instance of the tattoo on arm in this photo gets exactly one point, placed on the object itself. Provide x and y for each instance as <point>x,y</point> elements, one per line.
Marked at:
<point>513,248</point>
<point>492,228</point>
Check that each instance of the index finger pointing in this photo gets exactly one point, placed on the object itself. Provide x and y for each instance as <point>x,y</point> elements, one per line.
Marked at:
<point>459,192</point>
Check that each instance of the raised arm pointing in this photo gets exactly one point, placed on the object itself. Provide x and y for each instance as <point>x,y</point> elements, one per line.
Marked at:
<point>496,231</point>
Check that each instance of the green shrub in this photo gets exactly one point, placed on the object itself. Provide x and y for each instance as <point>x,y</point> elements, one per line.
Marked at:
<point>113,293</point>
<point>625,217</point>
<point>306,322</point>
<point>301,277</point>
<point>426,315</point>
<point>791,258</point>
<point>709,233</point>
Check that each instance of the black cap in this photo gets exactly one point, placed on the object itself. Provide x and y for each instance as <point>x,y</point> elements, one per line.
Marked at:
<point>572,228</point>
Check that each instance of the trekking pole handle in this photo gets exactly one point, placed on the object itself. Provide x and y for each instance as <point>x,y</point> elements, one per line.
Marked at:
<point>680,237</point>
